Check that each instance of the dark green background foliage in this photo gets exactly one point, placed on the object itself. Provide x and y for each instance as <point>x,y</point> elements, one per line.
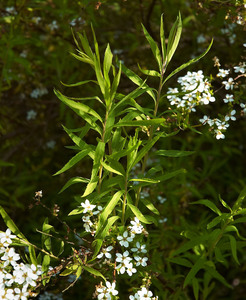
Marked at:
<point>34,53</point>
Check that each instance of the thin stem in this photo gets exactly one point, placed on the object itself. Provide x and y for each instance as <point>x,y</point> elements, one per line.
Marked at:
<point>124,202</point>
<point>101,166</point>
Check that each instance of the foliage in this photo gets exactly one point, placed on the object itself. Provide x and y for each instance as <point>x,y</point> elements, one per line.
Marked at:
<point>144,164</point>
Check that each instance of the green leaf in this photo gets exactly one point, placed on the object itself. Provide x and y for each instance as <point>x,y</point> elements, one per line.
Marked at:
<point>214,222</point>
<point>196,267</point>
<point>191,244</point>
<point>187,64</point>
<point>78,106</point>
<point>76,211</point>
<point>73,181</point>
<point>32,254</point>
<point>225,204</point>
<point>85,44</point>
<point>74,160</point>
<point>148,180</point>
<point>108,209</point>
<point>209,204</point>
<point>240,199</point>
<point>233,244</point>
<point>46,263</point>
<point>145,150</point>
<point>149,72</point>
<point>78,83</point>
<point>150,206</point>
<point>108,56</point>
<point>173,153</point>
<point>154,47</point>
<point>169,175</point>
<point>10,224</point>
<point>180,261</point>
<point>98,244</point>
<point>215,274</point>
<point>157,121</point>
<point>173,39</point>
<point>105,230</point>
<point>163,42</point>
<point>138,214</point>
<point>138,81</point>
<point>94,272</point>
<point>195,286</point>
<point>114,167</point>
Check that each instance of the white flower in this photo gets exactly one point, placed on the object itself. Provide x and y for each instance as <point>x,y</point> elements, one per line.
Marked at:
<point>145,294</point>
<point>6,237</point>
<point>223,126</point>
<point>219,135</point>
<point>161,199</point>
<point>200,39</point>
<point>98,211</point>
<point>105,252</point>
<point>10,257</point>
<point>228,84</point>
<point>240,69</point>
<point>206,98</point>
<point>21,294</point>
<point>228,98</point>
<point>124,239</point>
<point>53,25</point>
<point>130,269</point>
<point>231,116</point>
<point>124,258</point>
<point>137,227</point>
<point>135,297</point>
<point>103,293</point>
<point>87,206</point>
<point>111,288</point>
<point>139,248</point>
<point>31,114</point>
<point>141,261</point>
<point>223,73</point>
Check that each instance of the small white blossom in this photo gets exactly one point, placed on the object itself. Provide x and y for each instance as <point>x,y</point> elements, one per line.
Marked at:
<point>139,248</point>
<point>141,261</point>
<point>228,84</point>
<point>228,98</point>
<point>223,73</point>
<point>105,252</point>
<point>87,206</point>
<point>124,239</point>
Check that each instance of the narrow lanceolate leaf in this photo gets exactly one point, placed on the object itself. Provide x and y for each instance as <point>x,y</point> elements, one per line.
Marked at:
<point>209,204</point>
<point>105,230</point>
<point>138,214</point>
<point>215,274</point>
<point>233,244</point>
<point>214,222</point>
<point>157,121</point>
<point>138,81</point>
<point>10,224</point>
<point>115,84</point>
<point>240,199</point>
<point>150,206</point>
<point>114,167</point>
<point>197,266</point>
<point>78,83</point>
<point>173,39</point>
<point>77,105</point>
<point>76,211</point>
<point>149,72</point>
<point>85,44</point>
<point>94,272</point>
<point>154,47</point>
<point>190,244</point>
<point>173,153</point>
<point>73,181</point>
<point>145,149</point>
<point>163,43</point>
<point>148,180</point>
<point>187,64</point>
<point>195,286</point>
<point>74,160</point>
<point>98,244</point>
<point>180,261</point>
<point>108,56</point>
<point>170,175</point>
<point>108,209</point>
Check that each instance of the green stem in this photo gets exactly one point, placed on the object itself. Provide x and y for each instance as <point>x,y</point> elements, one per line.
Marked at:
<point>151,134</point>
<point>101,166</point>
<point>124,203</point>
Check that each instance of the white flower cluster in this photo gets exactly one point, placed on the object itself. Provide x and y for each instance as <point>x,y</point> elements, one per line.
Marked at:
<point>219,126</point>
<point>31,114</point>
<point>88,213</point>
<point>143,294</point>
<point>106,292</point>
<point>50,296</point>
<point>15,278</point>
<point>39,92</point>
<point>195,90</point>
<point>52,26</point>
